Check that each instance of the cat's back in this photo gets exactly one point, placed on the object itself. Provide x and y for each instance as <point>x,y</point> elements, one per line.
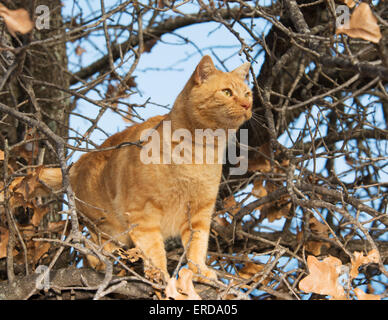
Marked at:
<point>130,134</point>
<point>89,168</point>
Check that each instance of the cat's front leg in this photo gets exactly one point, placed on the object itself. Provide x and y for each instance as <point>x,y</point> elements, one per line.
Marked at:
<point>195,237</point>
<point>147,236</point>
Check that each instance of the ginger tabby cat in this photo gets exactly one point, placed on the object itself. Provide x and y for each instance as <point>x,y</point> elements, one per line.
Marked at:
<point>116,190</point>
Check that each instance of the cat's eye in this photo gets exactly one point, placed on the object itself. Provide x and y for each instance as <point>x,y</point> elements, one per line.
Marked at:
<point>227,92</point>
<point>247,94</point>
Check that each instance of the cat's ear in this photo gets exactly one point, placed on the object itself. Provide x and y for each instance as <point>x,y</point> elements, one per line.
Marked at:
<point>204,69</point>
<point>242,71</point>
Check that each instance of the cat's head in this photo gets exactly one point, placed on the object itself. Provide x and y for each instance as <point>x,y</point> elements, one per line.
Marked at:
<point>219,99</point>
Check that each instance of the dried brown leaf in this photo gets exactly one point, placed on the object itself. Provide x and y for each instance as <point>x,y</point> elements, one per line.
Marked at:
<point>275,210</point>
<point>258,189</point>
<point>40,249</point>
<point>16,20</point>
<point>251,269</point>
<point>222,221</point>
<point>57,226</point>
<point>323,277</point>
<point>182,288</point>
<point>260,162</point>
<point>153,274</point>
<point>130,82</point>
<point>349,3</point>
<point>39,213</point>
<point>360,259</point>
<point>38,182</point>
<point>132,255</point>
<point>79,51</point>
<point>4,237</point>
<point>231,205</point>
<point>361,295</point>
<point>318,227</point>
<point>315,247</point>
<point>362,24</point>
<point>149,44</point>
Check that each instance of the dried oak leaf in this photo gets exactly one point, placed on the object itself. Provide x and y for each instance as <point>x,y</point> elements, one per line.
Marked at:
<point>39,213</point>
<point>132,255</point>
<point>258,190</point>
<point>360,259</point>
<point>16,20</point>
<point>349,3</point>
<point>323,277</point>
<point>149,44</point>
<point>260,160</point>
<point>79,51</point>
<point>231,205</point>
<point>275,209</point>
<point>29,150</point>
<point>320,229</point>
<point>4,236</point>
<point>362,24</point>
<point>58,227</point>
<point>38,182</point>
<point>315,247</point>
<point>40,249</point>
<point>251,269</point>
<point>361,295</point>
<point>182,288</point>
<point>153,273</point>
<point>222,221</point>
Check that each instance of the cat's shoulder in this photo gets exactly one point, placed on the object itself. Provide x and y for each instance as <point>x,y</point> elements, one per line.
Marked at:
<point>132,133</point>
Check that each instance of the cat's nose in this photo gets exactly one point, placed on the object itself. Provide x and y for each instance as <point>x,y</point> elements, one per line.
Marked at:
<point>246,106</point>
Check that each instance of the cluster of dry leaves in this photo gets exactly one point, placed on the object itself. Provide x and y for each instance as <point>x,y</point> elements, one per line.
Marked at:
<point>24,190</point>
<point>263,186</point>
<point>324,276</point>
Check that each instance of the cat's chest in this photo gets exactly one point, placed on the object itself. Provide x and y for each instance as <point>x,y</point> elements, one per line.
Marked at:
<point>191,183</point>
<point>196,177</point>
<point>188,188</point>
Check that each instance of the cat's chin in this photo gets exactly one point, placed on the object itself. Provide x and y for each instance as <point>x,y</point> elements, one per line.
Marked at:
<point>237,121</point>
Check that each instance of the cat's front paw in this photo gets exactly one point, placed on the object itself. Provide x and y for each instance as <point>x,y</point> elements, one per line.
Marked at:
<point>206,275</point>
<point>155,274</point>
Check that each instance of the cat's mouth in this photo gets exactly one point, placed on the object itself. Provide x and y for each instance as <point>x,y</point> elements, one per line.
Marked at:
<point>241,115</point>
<point>237,119</point>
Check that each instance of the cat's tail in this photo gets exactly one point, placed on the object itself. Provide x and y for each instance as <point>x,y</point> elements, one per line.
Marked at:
<point>39,182</point>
